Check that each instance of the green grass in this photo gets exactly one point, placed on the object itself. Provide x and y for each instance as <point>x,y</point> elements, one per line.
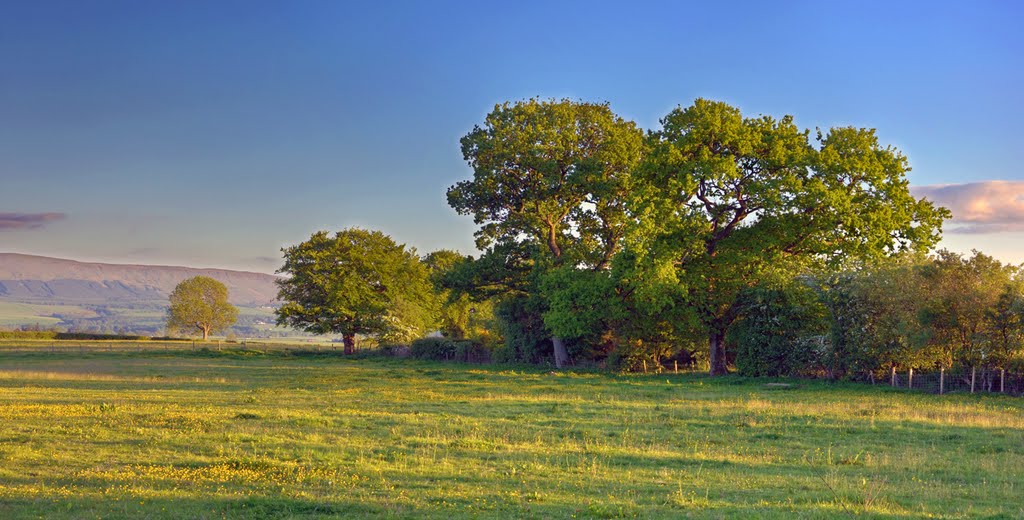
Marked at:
<point>241,435</point>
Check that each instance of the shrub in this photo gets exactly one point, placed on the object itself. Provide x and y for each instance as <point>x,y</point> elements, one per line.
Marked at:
<point>28,334</point>
<point>446,349</point>
<point>438,349</point>
<point>393,350</point>
<point>778,332</point>
<point>90,336</point>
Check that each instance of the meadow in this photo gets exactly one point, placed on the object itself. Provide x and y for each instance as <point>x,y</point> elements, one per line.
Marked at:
<point>14,314</point>
<point>232,434</point>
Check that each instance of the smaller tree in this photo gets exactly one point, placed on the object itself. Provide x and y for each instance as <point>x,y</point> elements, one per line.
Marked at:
<point>355,282</point>
<point>200,303</point>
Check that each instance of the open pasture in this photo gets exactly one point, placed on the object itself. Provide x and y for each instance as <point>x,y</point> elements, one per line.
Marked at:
<point>278,435</point>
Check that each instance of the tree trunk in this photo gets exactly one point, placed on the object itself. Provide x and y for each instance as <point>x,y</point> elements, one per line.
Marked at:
<point>716,347</point>
<point>350,343</point>
<point>561,354</point>
<point>206,333</point>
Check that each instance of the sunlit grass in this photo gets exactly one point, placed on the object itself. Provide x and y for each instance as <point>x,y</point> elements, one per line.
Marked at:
<point>208,435</point>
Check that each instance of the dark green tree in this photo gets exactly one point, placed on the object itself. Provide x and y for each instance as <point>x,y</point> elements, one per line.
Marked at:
<point>781,330</point>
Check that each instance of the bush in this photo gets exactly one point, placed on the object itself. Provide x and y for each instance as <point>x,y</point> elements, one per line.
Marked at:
<point>778,333</point>
<point>393,350</point>
<point>446,349</point>
<point>438,349</point>
<point>80,336</point>
<point>90,336</point>
<point>28,334</point>
<point>521,321</point>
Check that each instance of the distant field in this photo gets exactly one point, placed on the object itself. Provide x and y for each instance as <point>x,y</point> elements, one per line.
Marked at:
<point>241,435</point>
<point>147,316</point>
<point>13,314</point>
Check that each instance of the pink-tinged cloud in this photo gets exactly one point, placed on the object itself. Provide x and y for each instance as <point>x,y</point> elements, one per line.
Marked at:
<point>11,221</point>
<point>979,207</point>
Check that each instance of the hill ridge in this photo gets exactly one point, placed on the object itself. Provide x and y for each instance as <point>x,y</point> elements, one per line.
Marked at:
<point>36,278</point>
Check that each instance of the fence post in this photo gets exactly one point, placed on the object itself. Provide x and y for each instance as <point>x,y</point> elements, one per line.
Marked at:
<point>645,366</point>
<point>1002,380</point>
<point>974,370</point>
<point>942,379</point>
<point>675,366</point>
<point>892,377</point>
<point>910,379</point>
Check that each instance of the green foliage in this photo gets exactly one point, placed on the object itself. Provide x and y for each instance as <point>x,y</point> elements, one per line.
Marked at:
<point>522,325</point>
<point>917,312</point>
<point>460,316</point>
<point>876,318</point>
<point>28,334</point>
<point>356,282</point>
<point>549,188</point>
<point>554,172</point>
<point>447,349</point>
<point>781,331</point>
<point>601,240</point>
<point>972,309</point>
<point>728,201</point>
<point>200,304</point>
<point>580,304</point>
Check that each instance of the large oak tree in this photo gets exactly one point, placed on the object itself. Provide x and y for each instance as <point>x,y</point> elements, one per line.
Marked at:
<point>728,200</point>
<point>550,177</point>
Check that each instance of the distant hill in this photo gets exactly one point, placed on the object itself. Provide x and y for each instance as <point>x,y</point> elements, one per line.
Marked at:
<point>30,278</point>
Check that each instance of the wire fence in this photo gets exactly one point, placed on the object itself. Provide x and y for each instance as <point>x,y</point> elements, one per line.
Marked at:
<point>974,380</point>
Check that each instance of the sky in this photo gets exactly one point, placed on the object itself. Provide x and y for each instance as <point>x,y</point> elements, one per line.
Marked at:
<point>214,133</point>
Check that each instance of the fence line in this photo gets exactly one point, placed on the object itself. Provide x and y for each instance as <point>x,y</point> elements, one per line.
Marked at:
<point>974,380</point>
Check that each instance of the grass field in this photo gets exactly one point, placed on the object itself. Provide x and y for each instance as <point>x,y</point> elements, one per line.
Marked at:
<point>14,314</point>
<point>232,435</point>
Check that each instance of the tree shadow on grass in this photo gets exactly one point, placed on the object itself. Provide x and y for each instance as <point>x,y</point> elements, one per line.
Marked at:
<point>213,507</point>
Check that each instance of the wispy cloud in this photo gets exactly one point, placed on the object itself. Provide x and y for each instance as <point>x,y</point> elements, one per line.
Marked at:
<point>979,207</point>
<point>11,221</point>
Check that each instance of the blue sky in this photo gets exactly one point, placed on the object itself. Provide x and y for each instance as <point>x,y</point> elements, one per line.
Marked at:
<point>212,133</point>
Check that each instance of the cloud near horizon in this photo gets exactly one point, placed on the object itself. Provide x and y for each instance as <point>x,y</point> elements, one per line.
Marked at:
<point>11,221</point>
<point>979,207</point>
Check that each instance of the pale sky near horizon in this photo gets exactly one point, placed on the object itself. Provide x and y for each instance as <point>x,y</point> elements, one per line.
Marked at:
<point>213,133</point>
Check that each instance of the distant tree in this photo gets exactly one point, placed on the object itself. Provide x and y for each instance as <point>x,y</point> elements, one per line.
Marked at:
<point>355,282</point>
<point>200,304</point>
